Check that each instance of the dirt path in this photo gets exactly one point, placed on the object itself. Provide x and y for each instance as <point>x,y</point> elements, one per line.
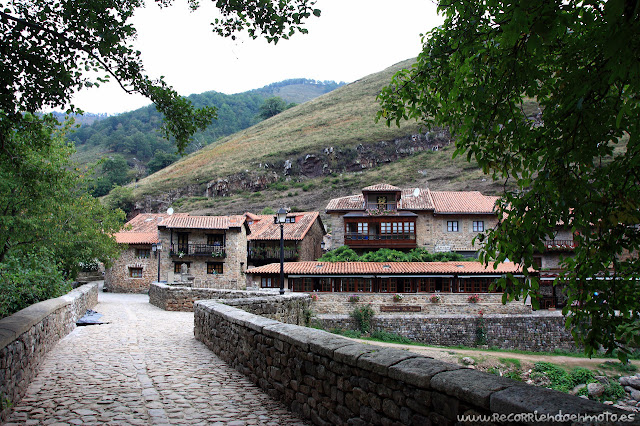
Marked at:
<point>486,359</point>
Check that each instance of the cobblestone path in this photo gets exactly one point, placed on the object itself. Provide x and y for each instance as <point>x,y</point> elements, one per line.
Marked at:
<point>143,368</point>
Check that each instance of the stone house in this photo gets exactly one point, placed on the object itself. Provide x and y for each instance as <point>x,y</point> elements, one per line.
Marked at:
<point>213,249</point>
<point>385,216</point>
<point>303,234</point>
<point>137,266</point>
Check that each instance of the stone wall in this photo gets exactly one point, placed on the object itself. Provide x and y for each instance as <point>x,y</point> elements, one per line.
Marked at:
<point>521,332</point>
<point>335,381</point>
<point>310,247</point>
<point>27,336</point>
<point>450,303</point>
<point>117,278</point>
<point>462,240</point>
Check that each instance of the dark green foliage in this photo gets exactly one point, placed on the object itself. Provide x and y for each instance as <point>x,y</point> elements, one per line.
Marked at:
<point>574,153</point>
<point>581,375</point>
<point>481,332</point>
<point>619,366</point>
<point>513,374</point>
<point>362,316</point>
<point>341,254</point>
<point>161,160</point>
<point>345,254</point>
<point>353,334</point>
<point>613,392</point>
<point>272,106</point>
<point>29,278</point>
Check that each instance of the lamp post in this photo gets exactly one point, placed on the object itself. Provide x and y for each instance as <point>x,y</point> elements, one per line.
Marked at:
<point>281,218</point>
<point>157,248</point>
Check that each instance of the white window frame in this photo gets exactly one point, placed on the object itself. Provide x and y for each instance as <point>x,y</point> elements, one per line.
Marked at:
<point>452,226</point>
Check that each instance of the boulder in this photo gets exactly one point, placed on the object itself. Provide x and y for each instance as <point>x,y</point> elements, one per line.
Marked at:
<point>577,389</point>
<point>634,382</point>
<point>468,361</point>
<point>635,395</point>
<point>624,381</point>
<point>595,389</point>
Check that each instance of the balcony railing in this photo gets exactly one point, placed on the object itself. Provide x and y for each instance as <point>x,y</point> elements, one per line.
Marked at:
<point>197,250</point>
<point>271,253</point>
<point>381,207</point>
<point>560,245</point>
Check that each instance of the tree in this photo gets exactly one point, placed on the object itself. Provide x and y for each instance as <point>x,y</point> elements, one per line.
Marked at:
<point>272,106</point>
<point>45,210</point>
<point>546,94</point>
<point>46,46</point>
<point>161,160</point>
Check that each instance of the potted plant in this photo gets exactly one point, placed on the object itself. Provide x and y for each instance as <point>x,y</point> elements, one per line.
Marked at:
<point>353,298</point>
<point>435,299</point>
<point>397,297</point>
<point>474,298</point>
<point>314,297</point>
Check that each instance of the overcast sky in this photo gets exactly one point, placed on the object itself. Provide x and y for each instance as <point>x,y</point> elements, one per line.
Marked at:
<point>352,38</point>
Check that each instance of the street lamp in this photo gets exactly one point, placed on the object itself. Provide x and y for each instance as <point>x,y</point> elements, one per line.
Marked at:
<point>281,218</point>
<point>157,248</point>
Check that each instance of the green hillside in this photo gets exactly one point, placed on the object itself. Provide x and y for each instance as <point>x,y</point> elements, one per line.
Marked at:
<point>135,133</point>
<point>326,147</point>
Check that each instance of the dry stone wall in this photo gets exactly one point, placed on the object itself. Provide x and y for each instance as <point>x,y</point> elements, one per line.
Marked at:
<point>335,381</point>
<point>289,308</point>
<point>27,336</point>
<point>521,332</point>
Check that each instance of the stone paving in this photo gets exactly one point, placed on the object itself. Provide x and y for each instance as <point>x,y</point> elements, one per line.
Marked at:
<point>143,368</point>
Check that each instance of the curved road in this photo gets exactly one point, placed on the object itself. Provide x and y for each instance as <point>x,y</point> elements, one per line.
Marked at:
<point>142,368</point>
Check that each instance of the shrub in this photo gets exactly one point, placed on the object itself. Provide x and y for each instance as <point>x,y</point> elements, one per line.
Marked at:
<point>28,279</point>
<point>613,392</point>
<point>560,379</point>
<point>362,316</point>
<point>581,375</point>
<point>353,298</point>
<point>398,297</point>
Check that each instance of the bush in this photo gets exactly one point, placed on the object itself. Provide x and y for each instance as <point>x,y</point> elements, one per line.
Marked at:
<point>29,278</point>
<point>362,316</point>
<point>613,392</point>
<point>581,375</point>
<point>560,379</point>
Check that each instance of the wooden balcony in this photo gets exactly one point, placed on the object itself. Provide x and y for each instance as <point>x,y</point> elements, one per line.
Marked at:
<point>356,240</point>
<point>182,250</point>
<point>560,245</point>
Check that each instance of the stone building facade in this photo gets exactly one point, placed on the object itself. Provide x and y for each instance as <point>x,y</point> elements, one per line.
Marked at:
<point>303,234</point>
<point>385,216</point>
<point>213,248</point>
<point>137,266</point>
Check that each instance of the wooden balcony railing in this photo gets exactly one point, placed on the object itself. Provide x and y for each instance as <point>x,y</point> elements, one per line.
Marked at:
<point>354,236</point>
<point>381,206</point>
<point>197,250</point>
<point>560,245</point>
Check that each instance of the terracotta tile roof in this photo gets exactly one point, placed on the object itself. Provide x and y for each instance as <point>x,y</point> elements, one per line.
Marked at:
<point>137,237</point>
<point>142,229</point>
<point>385,268</point>
<point>442,202</point>
<point>203,222</point>
<point>447,202</point>
<point>416,199</point>
<point>264,228</point>
<point>381,187</point>
<point>411,199</point>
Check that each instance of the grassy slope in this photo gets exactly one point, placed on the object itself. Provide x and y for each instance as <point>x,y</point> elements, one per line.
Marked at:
<point>342,118</point>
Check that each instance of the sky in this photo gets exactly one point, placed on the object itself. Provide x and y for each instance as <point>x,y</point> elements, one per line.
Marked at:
<point>350,40</point>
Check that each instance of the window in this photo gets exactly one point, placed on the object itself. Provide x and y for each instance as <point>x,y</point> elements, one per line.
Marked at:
<point>215,239</point>
<point>177,266</point>
<point>290,219</point>
<point>385,228</point>
<point>478,226</point>
<point>214,268</point>
<point>267,282</point>
<point>143,253</point>
<point>363,228</point>
<point>135,272</point>
<point>452,226</point>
